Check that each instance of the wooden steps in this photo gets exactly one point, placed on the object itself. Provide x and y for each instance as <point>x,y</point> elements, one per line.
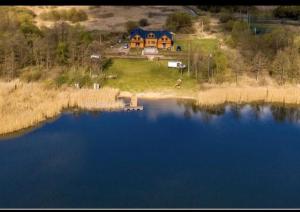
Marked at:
<point>130,108</point>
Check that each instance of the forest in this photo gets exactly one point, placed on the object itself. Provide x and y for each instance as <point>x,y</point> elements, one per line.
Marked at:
<point>32,52</point>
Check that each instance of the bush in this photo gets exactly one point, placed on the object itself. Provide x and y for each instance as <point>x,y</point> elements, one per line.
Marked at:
<point>29,28</point>
<point>225,17</point>
<point>239,30</point>
<point>75,15</point>
<point>206,23</point>
<point>292,12</point>
<point>72,15</point>
<point>130,25</point>
<point>61,79</point>
<point>106,15</point>
<point>228,25</point>
<point>31,75</point>
<point>153,14</point>
<point>179,22</point>
<point>143,22</point>
<point>232,8</point>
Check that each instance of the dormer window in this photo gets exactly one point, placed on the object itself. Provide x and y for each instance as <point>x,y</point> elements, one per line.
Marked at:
<point>151,35</point>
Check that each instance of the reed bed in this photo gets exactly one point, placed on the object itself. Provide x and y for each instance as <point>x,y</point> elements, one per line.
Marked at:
<point>217,96</point>
<point>25,105</point>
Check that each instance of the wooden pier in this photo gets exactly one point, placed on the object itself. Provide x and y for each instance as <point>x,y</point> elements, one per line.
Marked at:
<point>133,106</point>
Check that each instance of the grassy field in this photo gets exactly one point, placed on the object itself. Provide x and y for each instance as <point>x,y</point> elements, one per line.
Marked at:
<point>207,45</point>
<point>142,75</point>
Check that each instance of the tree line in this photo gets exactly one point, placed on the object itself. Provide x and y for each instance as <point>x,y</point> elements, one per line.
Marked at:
<point>23,44</point>
<point>273,52</point>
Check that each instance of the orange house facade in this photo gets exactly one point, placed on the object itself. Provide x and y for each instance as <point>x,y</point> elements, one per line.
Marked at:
<point>140,38</point>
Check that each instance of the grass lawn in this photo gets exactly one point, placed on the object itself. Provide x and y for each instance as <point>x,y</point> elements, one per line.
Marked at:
<point>141,75</point>
<point>207,45</point>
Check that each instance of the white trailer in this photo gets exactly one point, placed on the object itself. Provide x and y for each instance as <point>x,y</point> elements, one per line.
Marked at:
<point>175,64</point>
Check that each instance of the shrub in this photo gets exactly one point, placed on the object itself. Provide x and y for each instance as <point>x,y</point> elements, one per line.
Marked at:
<point>228,25</point>
<point>292,12</point>
<point>130,25</point>
<point>179,22</point>
<point>106,15</point>
<point>61,79</point>
<point>75,15</point>
<point>29,28</point>
<point>72,15</point>
<point>31,75</point>
<point>153,14</point>
<point>225,17</point>
<point>206,23</point>
<point>143,22</point>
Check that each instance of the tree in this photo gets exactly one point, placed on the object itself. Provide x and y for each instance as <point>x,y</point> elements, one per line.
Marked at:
<point>277,39</point>
<point>220,63</point>
<point>62,52</point>
<point>199,61</point>
<point>130,25</point>
<point>286,64</point>
<point>179,22</point>
<point>259,63</point>
<point>240,32</point>
<point>206,23</point>
<point>292,12</point>
<point>237,65</point>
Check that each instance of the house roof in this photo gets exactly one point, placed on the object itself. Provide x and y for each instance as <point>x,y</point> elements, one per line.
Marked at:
<point>144,33</point>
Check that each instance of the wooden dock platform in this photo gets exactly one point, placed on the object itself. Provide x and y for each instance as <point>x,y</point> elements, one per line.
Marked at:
<point>133,106</point>
<point>130,108</point>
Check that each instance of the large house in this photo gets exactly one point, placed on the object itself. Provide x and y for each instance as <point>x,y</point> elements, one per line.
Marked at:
<point>140,38</point>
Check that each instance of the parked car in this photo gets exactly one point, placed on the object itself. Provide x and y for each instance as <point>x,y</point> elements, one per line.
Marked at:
<point>125,46</point>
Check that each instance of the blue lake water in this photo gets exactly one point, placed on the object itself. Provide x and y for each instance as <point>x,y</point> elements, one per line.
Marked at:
<point>171,155</point>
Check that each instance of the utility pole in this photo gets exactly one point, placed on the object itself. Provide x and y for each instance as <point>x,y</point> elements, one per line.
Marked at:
<point>208,68</point>
<point>189,55</point>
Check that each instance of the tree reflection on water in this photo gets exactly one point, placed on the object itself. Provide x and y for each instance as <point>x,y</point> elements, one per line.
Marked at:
<point>279,112</point>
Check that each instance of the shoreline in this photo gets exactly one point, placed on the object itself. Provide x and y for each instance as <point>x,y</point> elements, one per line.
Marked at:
<point>24,106</point>
<point>288,95</point>
<point>155,95</point>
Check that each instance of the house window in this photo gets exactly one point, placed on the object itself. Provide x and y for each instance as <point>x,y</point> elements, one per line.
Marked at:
<point>150,35</point>
<point>153,42</point>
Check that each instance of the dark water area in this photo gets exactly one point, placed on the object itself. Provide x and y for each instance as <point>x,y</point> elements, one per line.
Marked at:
<point>171,155</point>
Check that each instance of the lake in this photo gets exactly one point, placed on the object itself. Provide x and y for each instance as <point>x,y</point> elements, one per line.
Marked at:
<point>171,155</point>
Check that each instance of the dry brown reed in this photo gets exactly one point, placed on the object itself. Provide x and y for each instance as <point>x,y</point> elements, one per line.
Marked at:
<point>272,94</point>
<point>23,105</point>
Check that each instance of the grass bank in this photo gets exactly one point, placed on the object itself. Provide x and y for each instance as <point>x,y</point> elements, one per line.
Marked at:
<point>23,105</point>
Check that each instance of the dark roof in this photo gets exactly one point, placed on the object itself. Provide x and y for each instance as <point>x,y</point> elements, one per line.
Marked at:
<point>144,33</point>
